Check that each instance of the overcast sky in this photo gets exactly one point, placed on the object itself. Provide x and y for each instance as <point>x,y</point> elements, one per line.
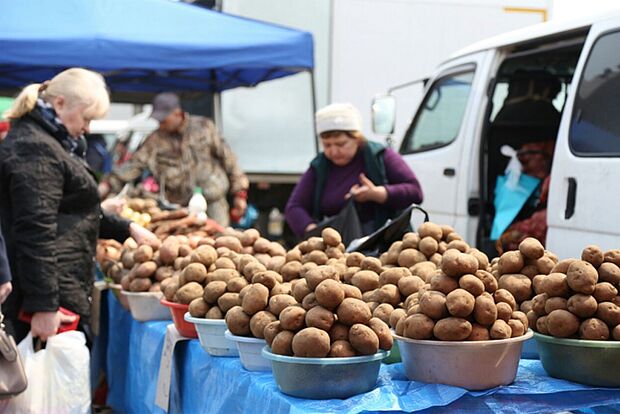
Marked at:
<point>566,9</point>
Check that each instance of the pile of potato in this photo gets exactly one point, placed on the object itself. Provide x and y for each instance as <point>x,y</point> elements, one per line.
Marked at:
<point>579,298</point>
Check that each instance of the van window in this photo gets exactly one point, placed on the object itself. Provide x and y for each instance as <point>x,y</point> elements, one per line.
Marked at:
<point>595,123</point>
<point>440,116</point>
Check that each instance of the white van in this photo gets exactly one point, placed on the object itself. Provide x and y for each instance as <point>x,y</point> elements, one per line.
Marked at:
<point>569,74</point>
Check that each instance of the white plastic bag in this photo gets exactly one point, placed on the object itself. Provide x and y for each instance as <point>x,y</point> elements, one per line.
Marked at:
<point>58,376</point>
<point>514,167</point>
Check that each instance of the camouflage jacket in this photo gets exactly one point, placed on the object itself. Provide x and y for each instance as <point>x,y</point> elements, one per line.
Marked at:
<point>195,156</point>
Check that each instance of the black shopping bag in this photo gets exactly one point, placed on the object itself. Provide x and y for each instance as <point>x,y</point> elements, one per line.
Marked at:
<point>393,230</point>
<point>347,223</point>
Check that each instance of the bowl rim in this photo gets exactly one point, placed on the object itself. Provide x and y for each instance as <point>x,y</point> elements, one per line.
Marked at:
<point>202,321</point>
<point>244,339</point>
<point>266,352</point>
<point>529,334</point>
<point>584,343</point>
<point>159,295</point>
<point>174,305</point>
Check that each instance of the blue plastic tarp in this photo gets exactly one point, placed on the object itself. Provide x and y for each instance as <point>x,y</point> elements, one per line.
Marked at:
<point>145,45</point>
<point>509,201</point>
<point>201,384</point>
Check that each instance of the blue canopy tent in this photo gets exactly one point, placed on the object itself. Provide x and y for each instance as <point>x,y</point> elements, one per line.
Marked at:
<point>145,46</point>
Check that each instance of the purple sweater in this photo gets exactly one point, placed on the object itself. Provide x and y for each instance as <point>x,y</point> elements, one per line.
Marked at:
<point>403,190</point>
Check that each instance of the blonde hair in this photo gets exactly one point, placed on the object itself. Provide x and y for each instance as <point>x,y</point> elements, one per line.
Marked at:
<point>75,85</point>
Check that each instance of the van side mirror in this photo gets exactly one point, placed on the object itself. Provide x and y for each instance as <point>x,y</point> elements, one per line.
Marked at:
<point>383,114</point>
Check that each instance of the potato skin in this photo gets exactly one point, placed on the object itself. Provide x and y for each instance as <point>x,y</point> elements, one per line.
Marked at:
<point>282,343</point>
<point>500,330</point>
<point>259,321</point>
<point>452,329</point>
<point>511,262</point>
<point>329,293</point>
<point>418,326</point>
<point>460,303</point>
<point>609,313</point>
<point>562,323</point>
<point>271,330</point>
<point>471,284</point>
<point>382,330</point>
<point>311,343</point>
<point>238,322</point>
<point>479,333</point>
<point>352,311</point>
<point>341,349</point>
<point>319,317</point>
<point>594,329</point>
<point>255,299</point>
<point>440,282</point>
<point>520,286</point>
<point>531,248</point>
<point>363,339</point>
<point>292,318</point>
<point>485,310</point>
<point>433,304</point>
<point>593,255</point>
<point>581,277</point>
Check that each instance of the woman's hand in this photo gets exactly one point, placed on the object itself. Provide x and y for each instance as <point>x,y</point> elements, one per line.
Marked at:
<point>367,191</point>
<point>5,291</point>
<point>113,205</point>
<point>310,227</point>
<point>142,235</point>
<point>46,324</point>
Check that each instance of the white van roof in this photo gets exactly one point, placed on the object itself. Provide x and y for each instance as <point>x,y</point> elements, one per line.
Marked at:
<point>532,32</point>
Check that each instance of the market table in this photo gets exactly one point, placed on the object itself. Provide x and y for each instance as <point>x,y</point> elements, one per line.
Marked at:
<point>201,383</point>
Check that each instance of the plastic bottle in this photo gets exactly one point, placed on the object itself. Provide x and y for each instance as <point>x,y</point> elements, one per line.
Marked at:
<point>276,222</point>
<point>198,205</point>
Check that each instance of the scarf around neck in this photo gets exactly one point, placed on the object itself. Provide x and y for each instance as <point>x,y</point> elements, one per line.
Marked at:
<point>45,115</point>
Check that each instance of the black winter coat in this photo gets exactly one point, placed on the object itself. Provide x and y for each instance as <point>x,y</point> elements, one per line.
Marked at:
<point>50,214</point>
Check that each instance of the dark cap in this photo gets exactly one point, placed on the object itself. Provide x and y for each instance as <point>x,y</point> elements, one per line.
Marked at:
<point>164,104</point>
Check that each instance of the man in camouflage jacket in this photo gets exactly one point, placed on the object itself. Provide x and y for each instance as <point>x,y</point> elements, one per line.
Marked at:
<point>187,152</point>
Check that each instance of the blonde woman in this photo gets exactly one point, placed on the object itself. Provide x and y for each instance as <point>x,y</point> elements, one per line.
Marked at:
<point>49,205</point>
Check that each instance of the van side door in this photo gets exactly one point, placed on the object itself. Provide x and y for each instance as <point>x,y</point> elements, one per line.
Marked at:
<point>584,197</point>
<point>439,144</point>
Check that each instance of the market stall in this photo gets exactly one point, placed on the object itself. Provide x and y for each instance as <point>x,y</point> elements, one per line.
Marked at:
<point>202,383</point>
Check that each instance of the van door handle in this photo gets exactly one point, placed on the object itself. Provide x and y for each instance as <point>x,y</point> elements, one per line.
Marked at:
<point>449,172</point>
<point>570,198</point>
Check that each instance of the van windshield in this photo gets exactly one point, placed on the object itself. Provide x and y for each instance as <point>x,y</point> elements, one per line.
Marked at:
<point>440,116</point>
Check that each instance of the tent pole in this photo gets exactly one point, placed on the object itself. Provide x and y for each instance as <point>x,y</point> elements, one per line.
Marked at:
<point>313,89</point>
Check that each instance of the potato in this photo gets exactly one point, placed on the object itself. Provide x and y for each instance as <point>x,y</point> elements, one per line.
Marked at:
<point>163,273</point>
<point>225,263</point>
<point>189,292</point>
<point>593,255</point>
<point>225,275</point>
<point>383,312</point>
<point>520,286</point>
<point>537,283</point>
<point>452,329</point>
<point>341,349</point>
<point>144,253</point>
<point>483,259</point>
<point>424,270</point>
<point>252,268</point>
<point>282,344</point>
<point>393,275</point>
<point>562,323</point>
<point>352,311</point>
<point>433,304</point>
<point>460,303</point>
<point>169,250</point>
<point>453,236</point>
<point>331,237</point>
<point>171,288</point>
<point>309,301</point>
<point>249,237</point>
<point>319,317</point>
<point>214,313</point>
<point>581,277</point>
<point>478,333</point>
<point>228,300</point>
<point>204,254</point>
<point>428,246</point>
<point>127,259</point>
<point>140,285</point>
<point>146,269</point>
<point>525,306</point>
<point>271,330</point>
<point>615,333</point>
<point>504,311</point>
<point>531,248</point>
<point>365,280</point>
<point>612,256</point>
<point>292,318</point>
<point>594,329</point>
<point>604,292</point>
<point>500,330</point>
<point>410,241</point>
<point>315,256</point>
<point>311,342</point>
<point>429,229</point>
<point>214,290</point>
<point>410,257</point>
<point>538,303</point>
<point>198,308</point>
<point>354,259</point>
<point>502,295</point>
<point>290,270</point>
<point>195,272</point>
<point>278,303</point>
<point>485,310</point>
<point>363,339</point>
<point>490,283</point>
<point>609,313</point>
<point>555,303</point>
<point>521,317</point>
<point>329,293</point>
<point>511,262</point>
<point>418,326</point>
<point>516,328</point>
<point>410,284</point>
<point>443,283</point>
<point>459,245</point>
<point>562,266</point>
<point>544,265</point>
<point>609,272</point>
<point>396,315</point>
<point>300,290</point>
<point>238,321</point>
<point>230,242</point>
<point>456,264</point>
<point>256,299</point>
<point>268,278</point>
<point>236,284</point>
<point>320,273</point>
<point>471,284</point>
<point>259,322</point>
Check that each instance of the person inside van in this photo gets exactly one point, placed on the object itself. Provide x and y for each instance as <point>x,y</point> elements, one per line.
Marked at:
<point>350,166</point>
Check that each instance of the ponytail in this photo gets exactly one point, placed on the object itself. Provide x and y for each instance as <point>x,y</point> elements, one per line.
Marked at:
<point>24,103</point>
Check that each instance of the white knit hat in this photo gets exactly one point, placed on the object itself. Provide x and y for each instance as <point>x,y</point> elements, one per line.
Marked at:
<point>338,117</point>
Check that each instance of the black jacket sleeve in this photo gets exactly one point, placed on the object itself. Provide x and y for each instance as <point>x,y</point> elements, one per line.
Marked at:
<point>36,187</point>
<point>5,271</point>
<point>113,227</point>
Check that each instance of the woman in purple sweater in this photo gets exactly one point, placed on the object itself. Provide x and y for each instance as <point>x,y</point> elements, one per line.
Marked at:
<point>350,166</point>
